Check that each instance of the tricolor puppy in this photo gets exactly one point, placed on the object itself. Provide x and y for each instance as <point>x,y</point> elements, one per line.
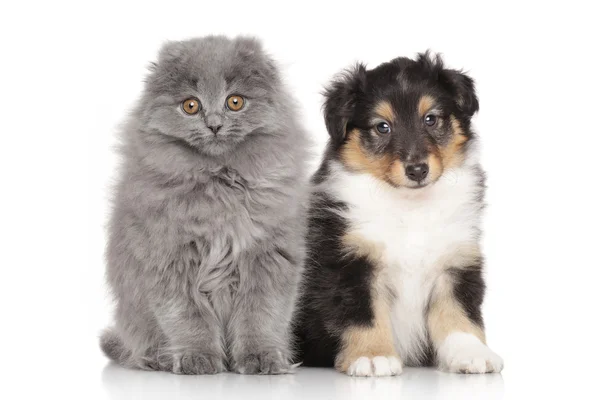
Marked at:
<point>395,270</point>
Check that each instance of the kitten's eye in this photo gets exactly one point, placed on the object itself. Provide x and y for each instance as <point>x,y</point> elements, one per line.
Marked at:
<point>430,120</point>
<point>235,102</point>
<point>383,127</point>
<point>191,106</point>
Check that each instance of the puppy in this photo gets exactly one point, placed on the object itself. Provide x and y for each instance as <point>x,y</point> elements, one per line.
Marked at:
<point>395,269</point>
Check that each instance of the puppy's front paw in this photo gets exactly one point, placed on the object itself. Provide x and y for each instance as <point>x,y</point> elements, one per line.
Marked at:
<point>376,366</point>
<point>191,362</point>
<point>466,354</point>
<point>263,363</point>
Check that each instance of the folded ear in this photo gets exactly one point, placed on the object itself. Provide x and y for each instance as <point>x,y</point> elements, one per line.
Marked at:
<point>340,101</point>
<point>462,88</point>
<point>171,51</point>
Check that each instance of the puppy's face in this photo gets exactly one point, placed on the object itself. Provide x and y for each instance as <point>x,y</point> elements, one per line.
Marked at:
<point>404,122</point>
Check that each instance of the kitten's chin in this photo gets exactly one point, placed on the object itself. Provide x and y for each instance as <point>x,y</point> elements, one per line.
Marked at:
<point>217,148</point>
<point>214,151</point>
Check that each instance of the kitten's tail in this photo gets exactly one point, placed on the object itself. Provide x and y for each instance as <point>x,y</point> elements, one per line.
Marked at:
<point>112,345</point>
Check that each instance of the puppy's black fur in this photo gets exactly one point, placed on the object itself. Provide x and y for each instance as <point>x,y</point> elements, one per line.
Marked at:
<point>337,290</point>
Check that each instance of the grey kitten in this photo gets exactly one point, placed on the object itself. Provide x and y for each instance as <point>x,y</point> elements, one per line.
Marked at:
<point>206,240</point>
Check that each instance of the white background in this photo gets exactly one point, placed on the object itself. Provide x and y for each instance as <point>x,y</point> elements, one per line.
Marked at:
<point>70,72</point>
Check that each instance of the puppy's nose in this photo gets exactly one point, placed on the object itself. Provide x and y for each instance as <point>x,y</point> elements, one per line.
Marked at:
<point>215,128</point>
<point>417,172</point>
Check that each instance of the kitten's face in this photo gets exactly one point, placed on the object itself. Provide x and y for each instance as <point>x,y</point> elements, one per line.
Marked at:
<point>211,94</point>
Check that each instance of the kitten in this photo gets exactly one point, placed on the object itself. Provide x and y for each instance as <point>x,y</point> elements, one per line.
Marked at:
<point>206,240</point>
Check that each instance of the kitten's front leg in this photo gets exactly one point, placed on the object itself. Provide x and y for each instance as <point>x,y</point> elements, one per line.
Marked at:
<point>260,325</point>
<point>192,332</point>
<point>455,323</point>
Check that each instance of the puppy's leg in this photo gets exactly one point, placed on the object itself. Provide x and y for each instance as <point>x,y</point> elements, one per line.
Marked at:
<point>366,342</point>
<point>368,350</point>
<point>455,323</point>
<point>260,326</point>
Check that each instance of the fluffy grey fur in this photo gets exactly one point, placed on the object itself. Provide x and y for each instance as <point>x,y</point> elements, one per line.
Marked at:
<point>206,240</point>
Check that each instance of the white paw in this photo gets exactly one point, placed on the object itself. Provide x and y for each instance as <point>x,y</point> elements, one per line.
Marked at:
<point>376,366</point>
<point>466,354</point>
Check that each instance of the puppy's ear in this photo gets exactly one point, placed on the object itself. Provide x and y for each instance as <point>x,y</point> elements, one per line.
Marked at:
<point>462,88</point>
<point>340,101</point>
<point>456,82</point>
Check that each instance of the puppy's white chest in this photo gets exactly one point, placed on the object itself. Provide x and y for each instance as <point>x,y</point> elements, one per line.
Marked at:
<point>415,230</point>
<point>413,238</point>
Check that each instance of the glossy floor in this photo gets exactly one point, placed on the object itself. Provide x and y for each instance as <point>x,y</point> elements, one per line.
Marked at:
<point>305,383</point>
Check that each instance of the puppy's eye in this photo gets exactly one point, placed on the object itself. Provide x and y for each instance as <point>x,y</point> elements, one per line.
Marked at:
<point>191,106</point>
<point>235,102</point>
<point>430,120</point>
<point>383,127</point>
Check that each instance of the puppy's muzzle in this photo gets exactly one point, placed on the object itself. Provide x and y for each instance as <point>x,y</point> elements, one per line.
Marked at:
<point>416,172</point>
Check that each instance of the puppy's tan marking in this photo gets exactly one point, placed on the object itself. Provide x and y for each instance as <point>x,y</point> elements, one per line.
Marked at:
<point>426,102</point>
<point>466,253</point>
<point>436,168</point>
<point>452,154</point>
<point>397,173</point>
<point>385,110</point>
<point>446,314</point>
<point>357,245</point>
<point>355,157</point>
<point>368,341</point>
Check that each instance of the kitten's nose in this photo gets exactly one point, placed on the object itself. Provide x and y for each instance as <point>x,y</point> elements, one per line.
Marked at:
<point>214,122</point>
<point>215,128</point>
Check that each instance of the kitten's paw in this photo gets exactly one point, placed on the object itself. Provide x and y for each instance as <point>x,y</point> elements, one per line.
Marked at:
<point>194,363</point>
<point>148,364</point>
<point>376,366</point>
<point>267,362</point>
<point>464,353</point>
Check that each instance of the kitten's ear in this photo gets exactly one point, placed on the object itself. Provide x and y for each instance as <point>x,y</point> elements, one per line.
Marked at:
<point>249,46</point>
<point>170,51</point>
<point>340,101</point>
<point>462,88</point>
<point>250,50</point>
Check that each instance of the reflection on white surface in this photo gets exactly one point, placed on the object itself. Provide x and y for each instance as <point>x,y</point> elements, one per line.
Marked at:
<point>306,383</point>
